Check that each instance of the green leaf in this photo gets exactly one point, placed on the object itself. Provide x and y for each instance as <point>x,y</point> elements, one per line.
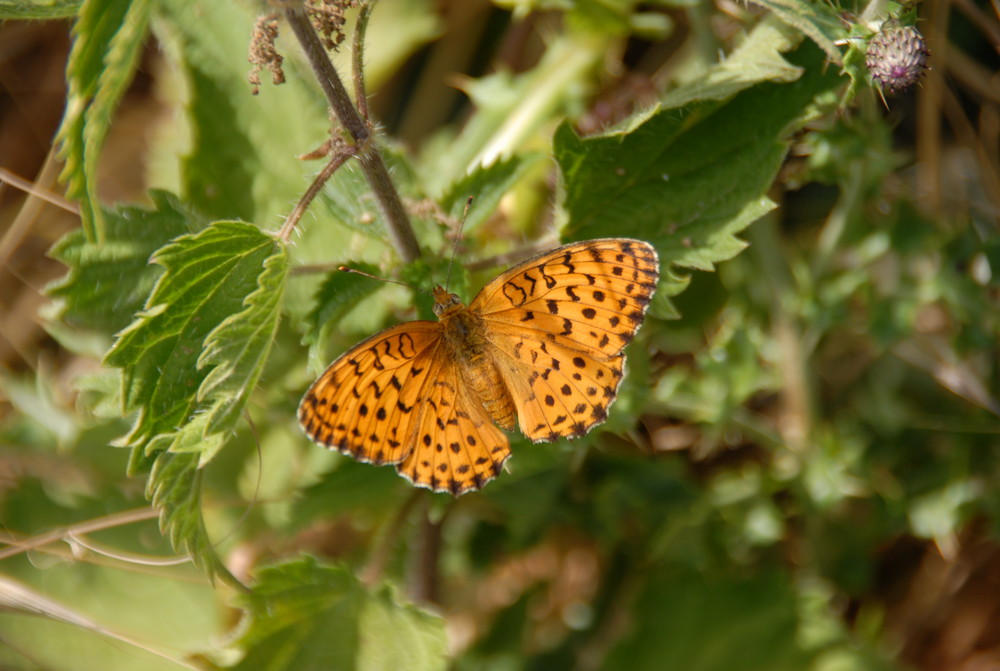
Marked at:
<point>92,294</point>
<point>819,21</point>
<point>688,179</point>
<point>191,359</point>
<point>108,38</point>
<point>339,293</point>
<point>240,162</point>
<point>236,350</point>
<point>175,490</point>
<point>39,9</point>
<point>487,185</point>
<point>304,615</point>
<point>711,622</point>
<point>231,275</point>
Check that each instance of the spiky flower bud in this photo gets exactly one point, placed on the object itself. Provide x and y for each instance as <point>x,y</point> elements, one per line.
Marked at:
<point>897,58</point>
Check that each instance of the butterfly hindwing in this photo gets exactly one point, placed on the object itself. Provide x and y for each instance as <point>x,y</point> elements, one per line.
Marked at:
<point>564,397</point>
<point>457,448</point>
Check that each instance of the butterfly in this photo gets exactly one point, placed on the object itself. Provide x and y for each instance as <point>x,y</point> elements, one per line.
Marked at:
<point>540,346</point>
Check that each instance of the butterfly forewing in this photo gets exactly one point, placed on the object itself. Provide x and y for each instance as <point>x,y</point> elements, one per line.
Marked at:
<point>590,296</point>
<point>560,323</point>
<point>368,403</point>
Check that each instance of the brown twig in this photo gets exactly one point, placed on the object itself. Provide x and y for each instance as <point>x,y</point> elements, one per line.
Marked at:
<point>380,555</point>
<point>386,197</point>
<point>341,153</point>
<point>929,108</point>
<point>424,559</point>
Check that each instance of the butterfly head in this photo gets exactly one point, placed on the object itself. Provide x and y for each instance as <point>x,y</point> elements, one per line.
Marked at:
<point>445,302</point>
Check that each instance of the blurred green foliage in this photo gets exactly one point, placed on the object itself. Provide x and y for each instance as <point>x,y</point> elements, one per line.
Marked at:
<point>817,379</point>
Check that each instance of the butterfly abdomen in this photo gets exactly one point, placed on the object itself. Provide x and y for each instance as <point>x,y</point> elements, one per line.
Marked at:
<point>464,334</point>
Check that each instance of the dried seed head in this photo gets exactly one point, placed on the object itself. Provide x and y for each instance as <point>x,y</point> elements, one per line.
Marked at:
<point>897,58</point>
<point>263,53</point>
<point>329,17</point>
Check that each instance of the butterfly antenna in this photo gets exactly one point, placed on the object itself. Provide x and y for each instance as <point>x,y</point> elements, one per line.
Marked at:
<point>346,269</point>
<point>458,239</point>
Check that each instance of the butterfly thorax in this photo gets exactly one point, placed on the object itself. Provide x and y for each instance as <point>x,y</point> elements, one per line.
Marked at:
<point>467,343</point>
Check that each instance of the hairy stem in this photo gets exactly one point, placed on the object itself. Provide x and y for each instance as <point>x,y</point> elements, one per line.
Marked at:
<point>358,60</point>
<point>386,197</point>
<point>340,156</point>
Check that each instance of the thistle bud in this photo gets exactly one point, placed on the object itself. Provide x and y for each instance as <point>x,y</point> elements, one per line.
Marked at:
<point>897,58</point>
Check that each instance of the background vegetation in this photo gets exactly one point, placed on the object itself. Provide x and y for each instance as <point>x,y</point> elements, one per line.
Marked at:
<point>800,472</point>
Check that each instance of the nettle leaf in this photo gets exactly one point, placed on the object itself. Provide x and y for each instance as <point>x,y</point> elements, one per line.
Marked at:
<point>175,490</point>
<point>39,9</point>
<point>235,351</point>
<point>688,179</point>
<point>304,615</point>
<point>229,276</point>
<point>108,39</point>
<point>92,294</point>
<point>191,358</point>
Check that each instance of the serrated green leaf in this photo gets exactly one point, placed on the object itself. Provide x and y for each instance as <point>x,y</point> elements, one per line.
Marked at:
<point>821,22</point>
<point>191,359</point>
<point>108,38</point>
<point>92,294</point>
<point>687,179</point>
<point>304,615</point>
<point>175,490</point>
<point>39,9</point>
<point>236,350</point>
<point>225,275</point>
<point>487,185</point>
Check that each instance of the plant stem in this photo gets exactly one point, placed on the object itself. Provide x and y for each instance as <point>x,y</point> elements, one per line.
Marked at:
<point>387,537</point>
<point>386,197</point>
<point>358,60</point>
<point>340,157</point>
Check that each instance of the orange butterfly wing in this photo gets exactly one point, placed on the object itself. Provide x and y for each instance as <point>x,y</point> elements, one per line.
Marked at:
<point>367,403</point>
<point>457,448</point>
<point>559,324</point>
<point>395,399</point>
